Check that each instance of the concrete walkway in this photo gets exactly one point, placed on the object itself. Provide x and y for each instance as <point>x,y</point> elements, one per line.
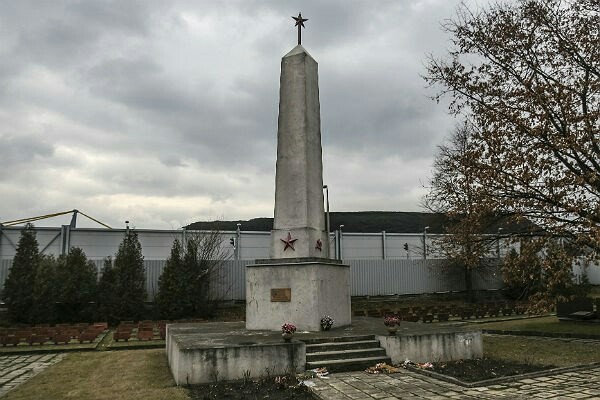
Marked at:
<point>14,370</point>
<point>410,385</point>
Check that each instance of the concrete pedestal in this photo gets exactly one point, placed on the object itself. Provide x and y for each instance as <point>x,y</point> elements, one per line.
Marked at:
<point>200,353</point>
<point>316,287</point>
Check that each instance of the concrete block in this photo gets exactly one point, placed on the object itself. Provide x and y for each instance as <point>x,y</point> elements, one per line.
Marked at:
<point>317,288</point>
<point>197,357</point>
<point>441,346</point>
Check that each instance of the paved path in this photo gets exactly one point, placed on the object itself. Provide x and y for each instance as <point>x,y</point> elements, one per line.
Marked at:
<point>15,370</point>
<point>548,339</point>
<point>410,385</point>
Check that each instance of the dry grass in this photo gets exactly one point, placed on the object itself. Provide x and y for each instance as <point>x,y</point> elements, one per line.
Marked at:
<point>540,351</point>
<point>544,324</point>
<point>118,375</point>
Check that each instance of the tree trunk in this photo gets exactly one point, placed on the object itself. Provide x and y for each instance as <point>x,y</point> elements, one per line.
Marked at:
<point>469,285</point>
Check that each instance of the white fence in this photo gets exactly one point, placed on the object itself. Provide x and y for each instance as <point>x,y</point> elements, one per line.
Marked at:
<point>247,245</point>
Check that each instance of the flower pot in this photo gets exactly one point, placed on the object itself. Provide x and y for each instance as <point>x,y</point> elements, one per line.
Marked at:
<point>287,337</point>
<point>392,330</point>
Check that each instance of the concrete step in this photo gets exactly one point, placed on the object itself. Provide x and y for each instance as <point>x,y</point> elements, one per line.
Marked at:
<point>345,354</point>
<point>339,339</point>
<point>341,346</point>
<point>353,364</point>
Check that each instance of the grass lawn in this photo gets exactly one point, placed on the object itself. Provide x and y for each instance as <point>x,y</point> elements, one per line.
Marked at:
<point>539,351</point>
<point>544,324</point>
<point>118,375</point>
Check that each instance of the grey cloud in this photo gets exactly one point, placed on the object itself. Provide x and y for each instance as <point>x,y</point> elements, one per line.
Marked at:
<point>57,34</point>
<point>173,161</point>
<point>136,94</point>
<point>22,149</point>
<point>140,84</point>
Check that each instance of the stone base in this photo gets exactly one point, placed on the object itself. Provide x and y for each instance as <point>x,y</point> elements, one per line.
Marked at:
<point>317,288</point>
<point>430,347</point>
<point>200,353</point>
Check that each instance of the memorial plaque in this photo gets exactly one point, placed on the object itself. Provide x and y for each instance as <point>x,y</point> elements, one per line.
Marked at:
<point>281,294</point>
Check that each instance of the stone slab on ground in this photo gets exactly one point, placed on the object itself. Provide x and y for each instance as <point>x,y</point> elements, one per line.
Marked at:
<point>410,385</point>
<point>17,369</point>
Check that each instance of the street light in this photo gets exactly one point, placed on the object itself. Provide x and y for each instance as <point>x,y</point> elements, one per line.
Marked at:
<point>327,222</point>
<point>425,243</point>
<point>238,242</point>
<point>340,242</point>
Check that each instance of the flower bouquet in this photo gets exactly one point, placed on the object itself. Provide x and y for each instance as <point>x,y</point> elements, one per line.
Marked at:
<point>326,322</point>
<point>392,322</point>
<point>287,331</point>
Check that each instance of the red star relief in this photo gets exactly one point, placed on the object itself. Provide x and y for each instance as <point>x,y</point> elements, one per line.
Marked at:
<point>289,242</point>
<point>319,245</point>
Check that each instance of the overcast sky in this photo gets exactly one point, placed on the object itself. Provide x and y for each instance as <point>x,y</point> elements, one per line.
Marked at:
<point>165,112</point>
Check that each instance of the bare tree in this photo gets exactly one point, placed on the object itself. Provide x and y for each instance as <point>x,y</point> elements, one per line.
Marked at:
<point>528,76</point>
<point>453,192</point>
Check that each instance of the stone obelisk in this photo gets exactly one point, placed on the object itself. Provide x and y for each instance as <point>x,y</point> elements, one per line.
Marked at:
<point>299,208</point>
<point>299,284</point>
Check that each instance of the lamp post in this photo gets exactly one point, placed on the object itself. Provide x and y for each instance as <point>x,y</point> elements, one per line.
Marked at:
<point>340,242</point>
<point>238,247</point>
<point>327,221</point>
<point>425,243</point>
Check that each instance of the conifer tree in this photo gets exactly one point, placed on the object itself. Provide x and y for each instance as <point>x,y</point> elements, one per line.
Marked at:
<point>191,284</point>
<point>106,293</point>
<point>44,292</point>
<point>18,287</point>
<point>77,286</point>
<point>170,300</point>
<point>130,279</point>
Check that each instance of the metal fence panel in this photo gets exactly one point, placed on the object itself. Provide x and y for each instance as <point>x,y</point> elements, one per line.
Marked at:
<point>4,268</point>
<point>386,277</point>
<point>368,277</point>
<point>363,246</point>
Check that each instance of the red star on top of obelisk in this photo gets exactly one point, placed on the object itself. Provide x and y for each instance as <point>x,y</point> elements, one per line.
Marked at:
<point>289,242</point>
